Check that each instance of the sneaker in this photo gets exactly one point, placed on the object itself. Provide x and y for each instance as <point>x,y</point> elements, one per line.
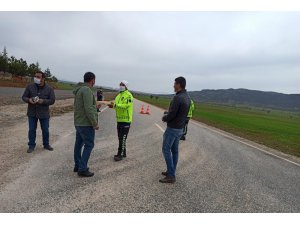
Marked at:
<point>85,174</point>
<point>168,179</point>
<point>118,158</point>
<point>49,148</point>
<point>30,149</point>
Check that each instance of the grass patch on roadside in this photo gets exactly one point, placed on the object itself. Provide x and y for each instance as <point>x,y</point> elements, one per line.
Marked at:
<point>64,86</point>
<point>273,128</point>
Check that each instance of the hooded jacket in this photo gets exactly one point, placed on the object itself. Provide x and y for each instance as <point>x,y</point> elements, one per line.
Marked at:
<point>85,110</point>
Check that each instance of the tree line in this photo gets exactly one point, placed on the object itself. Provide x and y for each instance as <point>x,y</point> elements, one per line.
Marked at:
<point>20,67</point>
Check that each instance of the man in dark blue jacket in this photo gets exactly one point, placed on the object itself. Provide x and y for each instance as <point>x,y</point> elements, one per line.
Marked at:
<point>175,119</point>
<point>39,96</point>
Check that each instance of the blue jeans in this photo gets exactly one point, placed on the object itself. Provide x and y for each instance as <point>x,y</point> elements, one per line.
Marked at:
<point>32,122</point>
<point>170,149</point>
<point>85,136</point>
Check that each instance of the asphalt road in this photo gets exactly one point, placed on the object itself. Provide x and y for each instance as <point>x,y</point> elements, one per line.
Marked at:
<point>216,173</point>
<point>12,91</point>
<point>12,95</point>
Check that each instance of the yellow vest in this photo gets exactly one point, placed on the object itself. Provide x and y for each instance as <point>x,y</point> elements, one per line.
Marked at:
<point>192,107</point>
<point>124,106</point>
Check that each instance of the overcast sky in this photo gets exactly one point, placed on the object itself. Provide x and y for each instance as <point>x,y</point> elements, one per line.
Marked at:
<point>213,50</point>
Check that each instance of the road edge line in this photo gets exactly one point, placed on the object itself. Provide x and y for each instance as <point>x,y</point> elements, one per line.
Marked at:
<point>245,143</point>
<point>213,129</point>
<point>159,127</point>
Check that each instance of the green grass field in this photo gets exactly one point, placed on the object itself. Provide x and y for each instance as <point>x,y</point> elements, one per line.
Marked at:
<point>64,86</point>
<point>273,128</point>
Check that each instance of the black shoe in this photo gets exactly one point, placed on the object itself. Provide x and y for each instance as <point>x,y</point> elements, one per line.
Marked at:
<point>85,174</point>
<point>118,158</point>
<point>168,179</point>
<point>164,173</point>
<point>124,155</point>
<point>30,149</point>
<point>182,138</point>
<point>49,148</point>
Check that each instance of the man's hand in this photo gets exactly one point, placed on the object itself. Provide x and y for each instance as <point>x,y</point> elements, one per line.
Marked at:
<point>31,101</point>
<point>164,118</point>
<point>99,106</point>
<point>96,127</point>
<point>40,101</point>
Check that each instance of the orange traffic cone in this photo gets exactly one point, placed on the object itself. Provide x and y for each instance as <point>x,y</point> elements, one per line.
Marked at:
<point>148,110</point>
<point>142,110</point>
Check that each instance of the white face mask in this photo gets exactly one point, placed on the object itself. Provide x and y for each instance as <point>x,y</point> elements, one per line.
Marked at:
<point>122,88</point>
<point>37,81</point>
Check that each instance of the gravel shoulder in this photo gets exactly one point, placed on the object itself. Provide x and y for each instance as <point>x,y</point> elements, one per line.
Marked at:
<point>13,136</point>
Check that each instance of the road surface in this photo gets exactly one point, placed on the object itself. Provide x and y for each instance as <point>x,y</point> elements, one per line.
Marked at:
<point>216,173</point>
<point>12,95</point>
<point>13,91</point>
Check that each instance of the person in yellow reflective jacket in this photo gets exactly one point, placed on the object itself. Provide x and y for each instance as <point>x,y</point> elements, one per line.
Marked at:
<point>189,116</point>
<point>124,108</point>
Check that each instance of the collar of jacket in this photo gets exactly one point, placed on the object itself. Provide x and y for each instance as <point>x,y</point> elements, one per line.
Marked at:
<point>85,84</point>
<point>182,91</point>
<point>39,86</point>
<point>122,92</point>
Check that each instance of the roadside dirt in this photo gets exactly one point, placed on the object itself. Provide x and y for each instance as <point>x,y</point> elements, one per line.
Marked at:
<point>14,129</point>
<point>14,114</point>
<point>13,135</point>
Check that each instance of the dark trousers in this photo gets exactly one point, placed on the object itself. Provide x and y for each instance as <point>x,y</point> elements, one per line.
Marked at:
<point>85,137</point>
<point>32,122</point>
<point>186,126</point>
<point>123,130</point>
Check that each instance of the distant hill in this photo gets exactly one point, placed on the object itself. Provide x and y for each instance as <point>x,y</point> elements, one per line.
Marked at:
<point>248,97</point>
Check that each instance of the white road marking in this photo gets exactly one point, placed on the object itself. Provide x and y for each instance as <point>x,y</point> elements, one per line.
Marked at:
<point>235,139</point>
<point>67,134</point>
<point>105,108</point>
<point>160,127</point>
<point>245,143</point>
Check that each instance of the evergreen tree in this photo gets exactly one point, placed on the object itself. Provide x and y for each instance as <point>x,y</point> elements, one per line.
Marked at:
<point>32,69</point>
<point>20,67</point>
<point>4,61</point>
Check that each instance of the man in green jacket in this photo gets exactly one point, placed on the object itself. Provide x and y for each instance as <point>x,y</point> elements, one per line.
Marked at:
<point>124,108</point>
<point>86,122</point>
<point>189,116</point>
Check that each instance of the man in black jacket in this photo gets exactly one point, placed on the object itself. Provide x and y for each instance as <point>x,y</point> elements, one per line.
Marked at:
<point>39,96</point>
<point>175,119</point>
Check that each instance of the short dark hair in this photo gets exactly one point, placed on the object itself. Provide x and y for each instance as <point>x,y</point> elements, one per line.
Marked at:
<point>88,76</point>
<point>41,72</point>
<point>181,81</point>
